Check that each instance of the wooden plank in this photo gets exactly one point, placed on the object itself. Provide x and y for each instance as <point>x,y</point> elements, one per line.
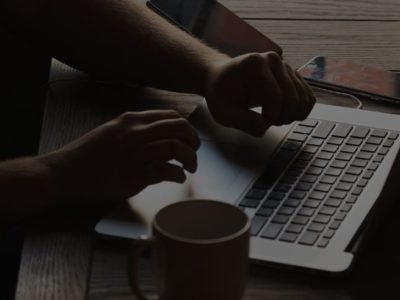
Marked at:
<point>372,43</point>
<point>317,10</point>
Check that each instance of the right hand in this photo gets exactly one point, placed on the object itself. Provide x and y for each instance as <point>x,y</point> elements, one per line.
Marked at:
<point>122,157</point>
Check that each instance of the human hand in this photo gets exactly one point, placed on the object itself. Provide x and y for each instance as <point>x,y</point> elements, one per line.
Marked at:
<point>122,157</point>
<point>238,84</point>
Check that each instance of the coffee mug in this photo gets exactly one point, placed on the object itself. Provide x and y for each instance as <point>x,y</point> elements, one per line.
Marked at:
<point>200,248</point>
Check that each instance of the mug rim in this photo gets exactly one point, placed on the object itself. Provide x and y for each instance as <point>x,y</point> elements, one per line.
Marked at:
<point>226,238</point>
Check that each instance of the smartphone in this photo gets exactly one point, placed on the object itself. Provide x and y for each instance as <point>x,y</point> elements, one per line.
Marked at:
<point>359,80</point>
<point>215,25</point>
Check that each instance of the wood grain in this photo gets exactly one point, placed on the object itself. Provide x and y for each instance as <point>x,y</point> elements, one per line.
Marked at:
<point>384,10</point>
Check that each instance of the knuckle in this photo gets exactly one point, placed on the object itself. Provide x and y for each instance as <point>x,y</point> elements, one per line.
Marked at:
<point>127,117</point>
<point>171,113</point>
<point>253,60</point>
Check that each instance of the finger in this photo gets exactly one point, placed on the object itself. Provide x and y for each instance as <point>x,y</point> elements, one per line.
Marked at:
<point>311,97</point>
<point>301,110</point>
<point>163,171</point>
<point>289,93</point>
<point>262,87</point>
<point>179,129</point>
<point>146,117</point>
<point>166,150</point>
<point>247,121</point>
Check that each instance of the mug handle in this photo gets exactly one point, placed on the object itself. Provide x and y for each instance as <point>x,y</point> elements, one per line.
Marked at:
<point>137,248</point>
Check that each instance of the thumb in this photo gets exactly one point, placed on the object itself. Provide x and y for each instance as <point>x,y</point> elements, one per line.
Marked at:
<point>248,121</point>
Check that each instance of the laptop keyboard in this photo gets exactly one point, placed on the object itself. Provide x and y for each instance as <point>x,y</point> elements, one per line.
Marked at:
<point>314,180</point>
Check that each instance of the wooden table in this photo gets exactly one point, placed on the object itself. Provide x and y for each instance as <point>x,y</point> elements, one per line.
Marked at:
<point>62,257</point>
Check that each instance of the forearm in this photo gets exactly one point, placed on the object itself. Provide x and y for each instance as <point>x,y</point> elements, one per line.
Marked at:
<point>25,190</point>
<point>119,39</point>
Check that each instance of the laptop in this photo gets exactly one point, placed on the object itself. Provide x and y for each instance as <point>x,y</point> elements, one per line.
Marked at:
<point>309,188</point>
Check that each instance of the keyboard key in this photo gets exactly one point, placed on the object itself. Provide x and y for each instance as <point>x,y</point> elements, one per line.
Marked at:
<point>342,130</point>
<point>330,148</point>
<point>298,195</point>
<point>338,194</point>
<point>305,156</point>
<point>317,195</point>
<point>280,219</point>
<point>310,149</point>
<point>263,183</point>
<point>315,142</point>
<point>309,123</point>
<point>308,178</point>
<point>378,159</point>
<point>334,225</point>
<point>291,145</point>
<point>344,186</point>
<point>322,187</point>
<point>349,178</point>
<point>393,136</point>
<point>300,220</point>
<point>292,203</point>
<point>282,187</point>
<point>359,163</point>
<point>288,237</point>
<point>294,172</point>
<point>302,186</point>
<point>379,133</point>
<point>333,172</point>
<point>349,149</point>
<point>270,204</point>
<point>323,243</point>
<point>256,224</point>
<point>344,156</point>
<point>340,164</point>
<point>298,137</point>
<point>354,171</point>
<point>351,199</point>
<point>333,202</point>
<point>316,227</point>
<point>250,203</point>
<point>293,228</point>
<point>319,163</point>
<point>272,231</point>
<point>357,191</point>
<point>388,143</point>
<point>309,238</point>
<point>364,155</point>
<point>311,203</point>
<point>323,130</point>
<point>325,155</point>
<point>300,164</point>
<point>323,219</point>
<point>360,132</point>
<point>368,174</point>
<point>329,233</point>
<point>328,179</point>
<point>286,211</point>
<point>276,196</point>
<point>327,210</point>
<point>374,141</point>
<point>265,212</point>
<point>369,148</point>
<point>314,171</point>
<point>288,179</point>
<point>335,141</point>
<point>306,212</point>
<point>362,182</point>
<point>354,142</point>
<point>346,207</point>
<point>383,151</point>
<point>256,194</point>
<point>340,216</point>
<point>303,129</point>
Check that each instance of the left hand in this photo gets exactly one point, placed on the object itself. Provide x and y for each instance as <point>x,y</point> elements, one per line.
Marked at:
<point>238,84</point>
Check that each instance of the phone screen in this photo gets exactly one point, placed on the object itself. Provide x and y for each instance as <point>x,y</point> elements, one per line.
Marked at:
<point>216,25</point>
<point>355,77</point>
